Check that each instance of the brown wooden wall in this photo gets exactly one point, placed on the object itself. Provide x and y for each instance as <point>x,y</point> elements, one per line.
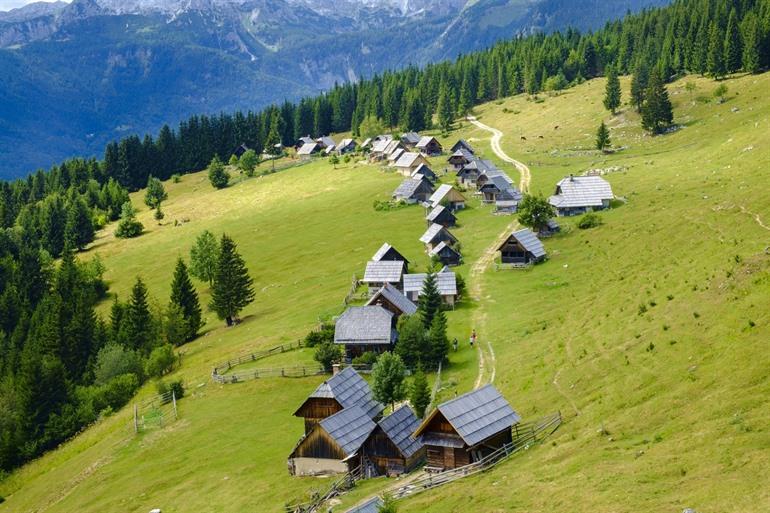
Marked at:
<point>318,444</point>
<point>318,408</point>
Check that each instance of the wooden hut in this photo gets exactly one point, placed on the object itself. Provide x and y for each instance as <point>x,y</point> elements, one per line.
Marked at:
<point>436,234</point>
<point>413,190</point>
<point>378,273</point>
<point>459,159</point>
<point>522,248</point>
<point>441,215</point>
<point>449,197</point>
<point>462,144</point>
<point>446,254</point>
<point>410,139</point>
<point>467,428</point>
<point>425,172</point>
<point>408,162</point>
<point>365,329</point>
<point>446,283</point>
<point>391,449</point>
<point>240,150</point>
<point>391,299</point>
<point>332,445</point>
<point>388,253</point>
<point>580,194</point>
<point>346,146</point>
<point>308,150</point>
<point>429,146</point>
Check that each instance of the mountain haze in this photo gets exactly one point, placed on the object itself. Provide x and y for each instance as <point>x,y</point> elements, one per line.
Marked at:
<point>74,76</point>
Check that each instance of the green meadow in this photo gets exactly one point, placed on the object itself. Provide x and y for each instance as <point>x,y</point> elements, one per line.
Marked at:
<point>649,333</point>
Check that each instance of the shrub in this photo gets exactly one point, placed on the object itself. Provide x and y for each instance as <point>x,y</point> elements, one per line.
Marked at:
<point>176,178</point>
<point>368,358</point>
<point>114,360</point>
<point>588,221</point>
<point>321,336</point>
<point>326,354</point>
<point>160,361</point>
<point>128,227</point>
<point>177,387</point>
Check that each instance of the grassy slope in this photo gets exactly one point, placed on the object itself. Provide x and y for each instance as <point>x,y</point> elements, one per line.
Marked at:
<point>686,420</point>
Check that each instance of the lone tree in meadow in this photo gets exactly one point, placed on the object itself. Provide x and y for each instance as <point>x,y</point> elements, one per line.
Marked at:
<point>535,212</point>
<point>248,162</point>
<point>334,160</point>
<point>612,92</point>
<point>184,297</point>
<point>388,379</point>
<point>203,257</point>
<point>128,226</point>
<point>218,175</point>
<point>602,138</point>
<point>419,393</point>
<point>233,287</point>
<point>657,112</point>
<point>155,194</point>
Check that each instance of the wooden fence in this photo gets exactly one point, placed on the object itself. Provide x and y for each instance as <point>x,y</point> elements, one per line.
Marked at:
<point>255,356</point>
<point>339,487</point>
<point>155,412</point>
<point>270,372</point>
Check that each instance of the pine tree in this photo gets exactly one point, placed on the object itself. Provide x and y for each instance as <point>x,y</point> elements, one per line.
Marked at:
<point>155,193</point>
<point>218,175</point>
<point>128,227</point>
<point>388,379</point>
<point>184,296</point>
<point>233,287</point>
<point>715,62</point>
<point>419,393</point>
<point>657,112</point>
<point>412,340</point>
<point>602,137</point>
<point>203,257</point>
<point>138,322</point>
<point>79,228</point>
<point>466,99</point>
<point>612,92</point>
<point>438,340</point>
<point>430,300</point>
<point>445,114</point>
<point>732,45</point>
<point>752,45</point>
<point>639,82</point>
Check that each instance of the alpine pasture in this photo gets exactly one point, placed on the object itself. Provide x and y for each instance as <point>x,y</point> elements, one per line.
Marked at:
<point>648,332</point>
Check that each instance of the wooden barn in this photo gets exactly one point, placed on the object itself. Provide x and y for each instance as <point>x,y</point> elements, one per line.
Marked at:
<point>447,196</point>
<point>414,190</point>
<point>429,146</point>
<point>436,234</point>
<point>459,159</point>
<point>522,248</point>
<point>551,228</point>
<point>332,445</point>
<point>391,299</point>
<point>343,390</point>
<point>446,282</point>
<point>378,273</point>
<point>364,329</point>
<point>441,215</point>
<point>346,146</point>
<point>308,150</point>
<point>408,162</point>
<point>462,144</point>
<point>498,186</point>
<point>467,428</point>
<point>425,172</point>
<point>388,253</point>
<point>391,450</point>
<point>577,195</point>
<point>446,254</point>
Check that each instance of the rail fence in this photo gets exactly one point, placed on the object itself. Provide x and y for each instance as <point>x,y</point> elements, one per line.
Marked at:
<point>255,356</point>
<point>339,487</point>
<point>271,372</point>
<point>155,412</point>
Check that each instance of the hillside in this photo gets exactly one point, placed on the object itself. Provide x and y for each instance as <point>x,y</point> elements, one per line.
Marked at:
<point>648,333</point>
<point>77,76</point>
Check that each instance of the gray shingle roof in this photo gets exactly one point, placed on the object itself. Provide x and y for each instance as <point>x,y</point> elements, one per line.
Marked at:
<point>371,506</point>
<point>477,415</point>
<point>411,137</point>
<point>408,159</point>
<point>463,144</point>
<point>384,249</point>
<point>395,297</point>
<point>440,193</point>
<point>364,325</point>
<point>349,389</point>
<point>392,146</point>
<point>441,247</point>
<point>306,140</point>
<point>384,271</point>
<point>326,141</point>
<point>529,242</point>
<point>396,154</point>
<point>581,191</point>
<point>407,188</point>
<point>425,171</point>
<point>308,149</point>
<point>381,145</point>
<point>446,282</point>
<point>436,212</point>
<point>433,232</point>
<point>425,141</point>
<point>349,428</point>
<point>400,426</point>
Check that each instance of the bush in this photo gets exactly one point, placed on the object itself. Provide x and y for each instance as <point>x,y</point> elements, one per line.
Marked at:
<point>588,221</point>
<point>161,361</point>
<point>327,354</point>
<point>115,360</point>
<point>176,178</point>
<point>368,358</point>
<point>318,337</point>
<point>177,387</point>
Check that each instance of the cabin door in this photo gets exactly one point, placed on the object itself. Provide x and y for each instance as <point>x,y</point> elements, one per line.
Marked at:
<point>449,457</point>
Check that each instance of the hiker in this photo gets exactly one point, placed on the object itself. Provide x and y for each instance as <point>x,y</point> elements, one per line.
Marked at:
<point>471,341</point>
<point>473,337</point>
<point>454,344</point>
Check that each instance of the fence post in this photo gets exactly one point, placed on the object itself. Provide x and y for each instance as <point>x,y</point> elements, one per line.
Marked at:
<point>173,400</point>
<point>136,419</point>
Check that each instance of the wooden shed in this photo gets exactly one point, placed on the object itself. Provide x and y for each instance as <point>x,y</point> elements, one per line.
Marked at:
<point>436,234</point>
<point>391,448</point>
<point>413,190</point>
<point>425,172</point>
<point>409,161</point>
<point>446,282</point>
<point>441,215</point>
<point>576,195</point>
<point>429,146</point>
<point>364,329</point>
<point>391,299</point>
<point>467,428</point>
<point>523,248</point>
<point>462,144</point>
<point>388,253</point>
<point>447,196</point>
<point>380,272</point>
<point>446,254</point>
<point>459,159</point>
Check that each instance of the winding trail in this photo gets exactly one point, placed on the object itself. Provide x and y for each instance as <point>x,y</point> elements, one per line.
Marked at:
<point>497,135</point>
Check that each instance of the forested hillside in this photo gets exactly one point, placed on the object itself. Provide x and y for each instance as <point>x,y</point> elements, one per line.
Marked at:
<point>50,333</point>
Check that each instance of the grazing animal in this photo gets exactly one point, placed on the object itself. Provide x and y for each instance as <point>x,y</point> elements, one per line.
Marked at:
<point>556,127</point>
<point>539,136</point>
<point>523,138</point>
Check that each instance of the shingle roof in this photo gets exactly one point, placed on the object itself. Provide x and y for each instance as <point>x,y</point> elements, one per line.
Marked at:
<point>371,506</point>
<point>400,426</point>
<point>393,145</point>
<point>326,141</point>
<point>349,389</point>
<point>411,137</point>
<point>477,415</point>
<point>379,146</point>
<point>407,188</point>
<point>396,154</point>
<point>349,428</point>
<point>581,191</point>
<point>425,141</point>
<point>462,152</point>
<point>425,171</point>
<point>345,143</point>
<point>498,182</point>
<point>529,242</point>
<point>438,196</point>
<point>436,212</point>
<point>307,148</point>
<point>407,159</point>
<point>384,249</point>
<point>364,325</point>
<point>306,140</point>
<point>367,142</point>
<point>395,297</point>
<point>446,282</point>
<point>441,247</point>
<point>382,271</point>
<point>462,143</point>
<point>432,232</point>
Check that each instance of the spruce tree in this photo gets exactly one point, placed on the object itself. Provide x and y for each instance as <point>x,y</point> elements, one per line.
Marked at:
<point>233,287</point>
<point>419,393</point>
<point>128,227</point>
<point>430,300</point>
<point>184,296</point>
<point>218,175</point>
<point>445,115</point>
<point>155,193</point>
<point>612,92</point>
<point>639,82</point>
<point>657,112</point>
<point>715,61</point>
<point>602,137</point>
<point>412,340</point>
<point>732,45</point>
<point>203,257</point>
<point>79,228</point>
<point>138,322</point>
<point>438,340</point>
<point>752,47</point>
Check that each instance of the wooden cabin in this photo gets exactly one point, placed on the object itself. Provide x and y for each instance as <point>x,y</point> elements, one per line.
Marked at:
<point>410,139</point>
<point>365,329</point>
<point>446,283</point>
<point>343,390</point>
<point>497,186</point>
<point>308,150</point>
<point>446,254</point>
<point>388,253</point>
<point>467,428</point>
<point>409,161</point>
<point>522,248</point>
<point>459,159</point>
<point>551,228</point>
<point>346,146</point>
<point>414,190</point>
<point>425,172</point>
<point>436,234</point>
<point>441,215</point>
<point>378,273</point>
<point>429,146</point>
<point>449,197</point>
<point>332,445</point>
<point>240,150</point>
<point>391,450</point>
<point>577,195</point>
<point>391,299</point>
<point>462,144</point>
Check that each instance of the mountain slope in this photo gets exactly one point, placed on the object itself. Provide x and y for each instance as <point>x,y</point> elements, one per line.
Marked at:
<point>74,77</point>
<point>648,332</point>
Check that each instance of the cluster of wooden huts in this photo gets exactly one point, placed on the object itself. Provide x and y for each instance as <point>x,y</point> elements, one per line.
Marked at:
<point>308,147</point>
<point>345,429</point>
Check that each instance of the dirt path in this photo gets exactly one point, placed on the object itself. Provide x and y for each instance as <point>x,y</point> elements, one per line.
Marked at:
<point>497,135</point>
